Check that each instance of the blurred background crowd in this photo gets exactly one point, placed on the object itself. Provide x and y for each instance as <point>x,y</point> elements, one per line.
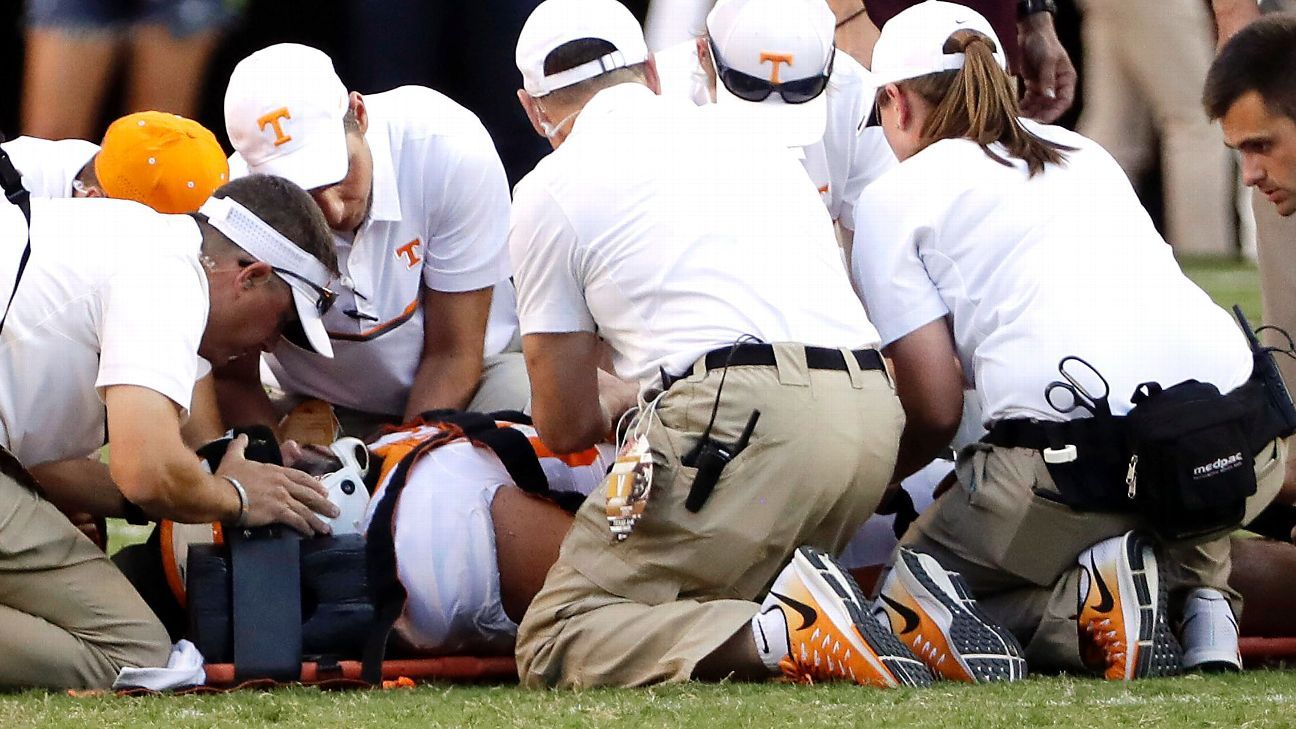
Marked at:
<point>69,67</point>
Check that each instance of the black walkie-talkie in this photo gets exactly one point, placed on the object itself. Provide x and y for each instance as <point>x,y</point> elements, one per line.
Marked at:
<point>711,458</point>
<point>1280,400</point>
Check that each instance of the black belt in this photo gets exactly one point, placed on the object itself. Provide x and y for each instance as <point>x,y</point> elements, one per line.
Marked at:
<point>762,355</point>
<point>1039,434</point>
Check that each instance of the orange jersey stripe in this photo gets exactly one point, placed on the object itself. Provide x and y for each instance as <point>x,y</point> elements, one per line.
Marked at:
<point>586,457</point>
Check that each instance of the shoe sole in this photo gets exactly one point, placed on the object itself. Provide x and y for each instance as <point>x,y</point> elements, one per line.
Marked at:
<point>983,651</point>
<point>905,669</point>
<point>1158,652</point>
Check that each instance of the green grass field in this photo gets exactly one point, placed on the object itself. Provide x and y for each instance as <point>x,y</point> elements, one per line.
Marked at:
<point>1254,699</point>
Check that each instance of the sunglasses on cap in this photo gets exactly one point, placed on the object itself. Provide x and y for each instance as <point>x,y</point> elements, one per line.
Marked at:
<point>750,88</point>
<point>325,297</point>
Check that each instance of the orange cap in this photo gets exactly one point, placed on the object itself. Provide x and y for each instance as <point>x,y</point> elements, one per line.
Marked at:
<point>169,163</point>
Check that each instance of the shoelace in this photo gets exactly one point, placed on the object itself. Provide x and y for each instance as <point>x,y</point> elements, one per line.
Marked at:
<point>1108,641</point>
<point>820,657</point>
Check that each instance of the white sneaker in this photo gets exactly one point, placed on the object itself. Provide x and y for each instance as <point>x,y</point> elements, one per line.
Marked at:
<point>830,635</point>
<point>934,614</point>
<point>1122,613</point>
<point>1209,632</point>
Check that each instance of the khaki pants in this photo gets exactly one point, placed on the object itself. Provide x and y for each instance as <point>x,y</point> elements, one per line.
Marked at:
<point>1145,63</point>
<point>648,609</point>
<point>68,618</point>
<point>1018,548</point>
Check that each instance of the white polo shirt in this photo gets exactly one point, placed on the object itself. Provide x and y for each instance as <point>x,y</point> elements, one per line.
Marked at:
<point>48,167</point>
<point>439,218</point>
<point>113,294</point>
<point>850,155</point>
<point>1034,269</point>
<point>671,234</point>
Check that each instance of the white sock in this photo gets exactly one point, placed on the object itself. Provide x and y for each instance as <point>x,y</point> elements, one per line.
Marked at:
<point>769,628</point>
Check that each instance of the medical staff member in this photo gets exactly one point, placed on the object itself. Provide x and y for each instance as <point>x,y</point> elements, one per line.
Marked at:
<point>807,94</point>
<point>416,196</point>
<point>167,162</point>
<point>101,341</point>
<point>1251,90</point>
<point>665,230</point>
<point>1005,245</point>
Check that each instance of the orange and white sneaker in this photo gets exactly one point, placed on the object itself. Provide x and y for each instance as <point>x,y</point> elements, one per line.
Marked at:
<point>935,616</point>
<point>829,632</point>
<point>1122,612</point>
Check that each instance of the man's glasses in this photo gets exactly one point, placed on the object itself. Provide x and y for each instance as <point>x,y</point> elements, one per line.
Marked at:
<point>751,88</point>
<point>326,297</point>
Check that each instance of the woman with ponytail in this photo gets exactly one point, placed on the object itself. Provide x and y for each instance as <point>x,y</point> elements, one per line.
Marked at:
<point>993,256</point>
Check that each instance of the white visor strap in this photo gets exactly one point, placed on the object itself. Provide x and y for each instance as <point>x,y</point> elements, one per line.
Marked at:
<point>263,242</point>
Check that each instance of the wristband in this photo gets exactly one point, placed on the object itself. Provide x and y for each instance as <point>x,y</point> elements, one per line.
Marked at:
<point>244,505</point>
<point>1026,8</point>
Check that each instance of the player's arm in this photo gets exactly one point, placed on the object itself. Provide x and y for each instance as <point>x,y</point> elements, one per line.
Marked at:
<point>240,398</point>
<point>573,403</point>
<point>79,485</point>
<point>156,471</point>
<point>454,335</point>
<point>204,424</point>
<point>1232,15</point>
<point>929,382</point>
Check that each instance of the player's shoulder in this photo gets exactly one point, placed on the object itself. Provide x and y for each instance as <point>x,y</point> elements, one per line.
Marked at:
<point>113,232</point>
<point>64,148</point>
<point>419,111</point>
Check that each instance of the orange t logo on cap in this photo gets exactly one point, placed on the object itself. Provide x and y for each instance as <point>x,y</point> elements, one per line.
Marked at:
<point>273,119</point>
<point>777,59</point>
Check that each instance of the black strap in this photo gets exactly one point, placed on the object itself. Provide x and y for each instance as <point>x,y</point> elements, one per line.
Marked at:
<point>514,451</point>
<point>510,445</point>
<point>901,505</point>
<point>265,566</point>
<point>11,182</point>
<point>380,557</point>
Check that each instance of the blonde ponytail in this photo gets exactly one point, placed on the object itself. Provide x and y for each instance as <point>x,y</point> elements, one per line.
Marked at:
<point>978,102</point>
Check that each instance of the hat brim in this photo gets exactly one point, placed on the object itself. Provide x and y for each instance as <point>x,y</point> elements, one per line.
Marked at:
<point>792,125</point>
<point>309,324</point>
<point>321,162</point>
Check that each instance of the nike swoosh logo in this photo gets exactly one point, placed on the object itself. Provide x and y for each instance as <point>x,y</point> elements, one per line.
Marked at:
<point>1106,602</point>
<point>960,22</point>
<point>910,617</point>
<point>807,613</point>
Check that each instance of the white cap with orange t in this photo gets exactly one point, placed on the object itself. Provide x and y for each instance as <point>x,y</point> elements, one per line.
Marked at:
<point>283,112</point>
<point>773,61</point>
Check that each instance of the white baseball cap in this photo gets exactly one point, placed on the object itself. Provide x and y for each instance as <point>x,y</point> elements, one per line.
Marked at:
<point>774,41</point>
<point>911,42</point>
<point>283,113</point>
<point>557,22</point>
